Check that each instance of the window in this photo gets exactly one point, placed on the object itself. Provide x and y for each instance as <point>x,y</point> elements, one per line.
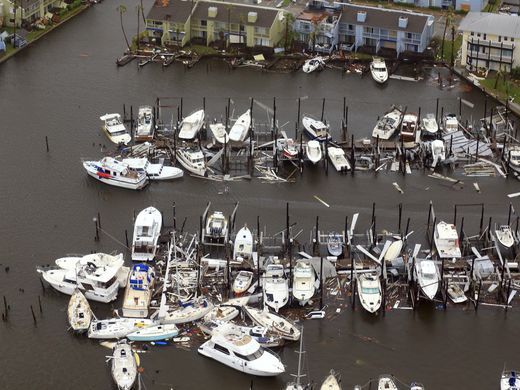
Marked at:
<point>203,22</point>
<point>221,349</point>
<point>472,33</point>
<point>499,38</point>
<point>251,357</point>
<point>478,35</point>
<point>485,37</point>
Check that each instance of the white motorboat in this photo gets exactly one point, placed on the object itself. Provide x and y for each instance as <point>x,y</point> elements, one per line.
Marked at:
<point>409,130</point>
<point>428,277</point>
<point>222,313</point>
<point>241,352</point>
<point>116,328</point>
<point>154,333</point>
<point>313,64</point>
<point>430,125</point>
<point>189,311</point>
<point>217,225</point>
<point>124,366</point>
<point>191,125</point>
<point>288,147</point>
<point>78,312</point>
<point>240,128</point>
<point>417,386</point>
<point>509,380</point>
<point>331,382</point>
<point>386,382</point>
<point>313,151</point>
<point>451,123</point>
<point>97,283</point>
<point>338,159</point>
<point>144,130</point>
<point>303,282</point>
<point>153,171</point>
<point>219,132</point>
<point>243,245</point>
<point>387,125</point>
<point>147,230</point>
<point>192,160</point>
<point>276,287</point>
<point>334,244</point>
<point>98,259</point>
<point>512,158</point>
<point>315,129</point>
<point>262,335</point>
<point>274,322</point>
<point>369,291</point>
<point>378,70</point>
<point>116,173</point>
<point>394,250</point>
<point>456,293</point>
<point>115,129</point>
<point>504,236</point>
<point>446,241</point>
<point>242,282</point>
<point>139,291</point>
<point>438,151</point>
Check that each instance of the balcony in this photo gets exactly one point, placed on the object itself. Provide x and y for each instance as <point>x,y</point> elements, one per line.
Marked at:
<point>506,59</point>
<point>487,43</point>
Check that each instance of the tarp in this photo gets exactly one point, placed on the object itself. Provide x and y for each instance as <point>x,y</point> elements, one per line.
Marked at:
<point>259,57</point>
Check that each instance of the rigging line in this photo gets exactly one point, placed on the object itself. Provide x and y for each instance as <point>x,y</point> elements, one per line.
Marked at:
<point>113,238</point>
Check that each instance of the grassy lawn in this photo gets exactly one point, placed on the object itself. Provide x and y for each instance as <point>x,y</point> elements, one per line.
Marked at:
<point>491,7</point>
<point>504,88</point>
<point>448,48</point>
<point>203,50</point>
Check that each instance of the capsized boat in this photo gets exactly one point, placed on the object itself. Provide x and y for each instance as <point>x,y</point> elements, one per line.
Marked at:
<point>124,366</point>
<point>242,282</point>
<point>388,124</point>
<point>191,125</point>
<point>243,245</point>
<point>331,382</point>
<point>222,313</point>
<point>313,64</point>
<point>144,130</point>
<point>505,236</point>
<point>430,125</point>
<point>154,333</point>
<point>115,129</point>
<point>338,159</point>
<point>192,160</point>
<point>276,287</point>
<point>190,311</point>
<point>378,70</point>
<point>409,130</point>
<point>273,321</point>
<point>386,382</point>
<point>219,132</point>
<point>240,351</point>
<point>147,229</point>
<point>369,291</point>
<point>446,240</point>
<point>78,312</point>
<point>315,129</point>
<point>313,151</point>
<point>334,244</point>
<point>217,225</point>
<point>303,282</point>
<point>116,328</point>
<point>456,293</point>
<point>240,128</point>
<point>509,380</point>
<point>116,173</point>
<point>139,291</point>
<point>428,277</point>
<point>154,171</point>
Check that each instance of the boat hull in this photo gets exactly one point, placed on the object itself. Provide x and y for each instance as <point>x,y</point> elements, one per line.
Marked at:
<point>129,185</point>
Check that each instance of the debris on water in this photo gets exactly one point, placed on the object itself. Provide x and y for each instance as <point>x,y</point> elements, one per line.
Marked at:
<point>321,201</point>
<point>397,187</point>
<point>477,188</point>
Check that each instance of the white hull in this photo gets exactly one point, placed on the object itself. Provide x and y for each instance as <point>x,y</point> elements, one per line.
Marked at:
<point>147,230</point>
<point>240,128</point>
<point>189,313</point>
<point>242,282</point>
<point>446,241</point>
<point>275,322</point>
<point>379,71</point>
<point>428,277</point>
<point>505,236</point>
<point>243,245</point>
<point>369,291</point>
<point>115,129</point>
<point>303,283</point>
<point>313,151</point>
<point>222,313</point>
<point>394,250</point>
<point>386,383</point>
<point>509,381</point>
<point>144,130</point>
<point>124,366</point>
<point>387,125</point>
<point>330,383</point>
<point>78,312</point>
<point>337,158</point>
<point>276,287</point>
<point>313,64</point>
<point>456,293</point>
<point>131,184</point>
<point>116,328</point>
<point>191,125</point>
<point>199,169</point>
<point>219,132</point>
<point>315,129</point>
<point>154,333</point>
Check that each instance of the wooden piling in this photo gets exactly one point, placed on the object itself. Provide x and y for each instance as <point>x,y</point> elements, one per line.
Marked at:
<point>96,237</point>
<point>399,218</point>
<point>322,109</point>
<point>99,219</point>
<point>174,217</point>
<point>40,304</point>
<point>126,238</point>
<point>33,316</point>
<point>437,110</point>
<point>47,143</point>
<point>6,309</point>
<point>509,214</point>
<point>321,282</point>
<point>180,108</point>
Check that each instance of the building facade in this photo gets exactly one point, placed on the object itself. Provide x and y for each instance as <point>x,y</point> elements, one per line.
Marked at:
<point>178,22</point>
<point>376,28</point>
<point>489,41</point>
<point>27,11</point>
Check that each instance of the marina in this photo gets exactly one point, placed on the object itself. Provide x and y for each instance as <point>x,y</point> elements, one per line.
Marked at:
<point>289,217</point>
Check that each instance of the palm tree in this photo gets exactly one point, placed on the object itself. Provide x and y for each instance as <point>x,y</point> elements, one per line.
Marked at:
<point>449,22</point>
<point>139,10</point>
<point>142,12</point>
<point>122,10</point>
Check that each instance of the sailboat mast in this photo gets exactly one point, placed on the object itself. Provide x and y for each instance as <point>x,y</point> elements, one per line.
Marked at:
<point>299,360</point>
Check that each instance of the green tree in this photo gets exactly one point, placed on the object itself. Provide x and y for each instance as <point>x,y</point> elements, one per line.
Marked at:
<point>449,22</point>
<point>122,9</point>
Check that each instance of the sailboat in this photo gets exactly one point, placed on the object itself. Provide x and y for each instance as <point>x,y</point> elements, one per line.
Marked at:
<point>276,287</point>
<point>378,70</point>
<point>297,385</point>
<point>509,380</point>
<point>240,128</point>
<point>331,382</point>
<point>78,312</point>
<point>124,366</point>
<point>386,382</point>
<point>313,151</point>
<point>191,125</point>
<point>274,322</point>
<point>303,282</point>
<point>147,229</point>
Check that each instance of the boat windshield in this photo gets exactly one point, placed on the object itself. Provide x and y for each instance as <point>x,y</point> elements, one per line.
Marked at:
<point>252,356</point>
<point>370,290</point>
<point>117,133</point>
